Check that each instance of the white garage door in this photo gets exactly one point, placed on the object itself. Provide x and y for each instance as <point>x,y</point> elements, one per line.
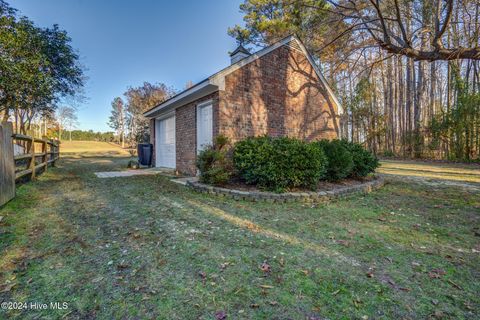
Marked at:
<point>165,139</point>
<point>204,125</point>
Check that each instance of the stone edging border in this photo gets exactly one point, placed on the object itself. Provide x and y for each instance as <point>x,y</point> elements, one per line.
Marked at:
<point>320,196</point>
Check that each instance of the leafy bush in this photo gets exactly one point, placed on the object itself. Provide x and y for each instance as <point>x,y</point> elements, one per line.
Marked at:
<point>388,154</point>
<point>364,162</point>
<point>340,160</point>
<point>214,162</point>
<point>279,163</point>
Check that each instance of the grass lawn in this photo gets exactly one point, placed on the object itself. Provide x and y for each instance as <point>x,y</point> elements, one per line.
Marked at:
<point>91,148</point>
<point>145,248</point>
<point>440,171</point>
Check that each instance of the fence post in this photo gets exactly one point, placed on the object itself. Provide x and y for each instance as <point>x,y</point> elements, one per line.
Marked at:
<point>31,150</point>
<point>7,163</point>
<point>53,148</point>
<point>45,154</point>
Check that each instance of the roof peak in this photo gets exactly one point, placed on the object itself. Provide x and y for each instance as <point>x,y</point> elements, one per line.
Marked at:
<point>241,49</point>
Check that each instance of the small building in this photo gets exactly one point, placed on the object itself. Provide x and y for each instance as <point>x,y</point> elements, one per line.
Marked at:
<point>277,91</point>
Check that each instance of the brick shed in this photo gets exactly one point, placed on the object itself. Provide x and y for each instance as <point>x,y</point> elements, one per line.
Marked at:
<point>277,91</point>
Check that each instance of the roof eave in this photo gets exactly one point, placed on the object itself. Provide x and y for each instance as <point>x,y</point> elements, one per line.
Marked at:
<point>199,90</point>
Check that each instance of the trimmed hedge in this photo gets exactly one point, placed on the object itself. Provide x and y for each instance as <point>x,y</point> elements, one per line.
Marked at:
<point>214,162</point>
<point>364,161</point>
<point>340,160</point>
<point>279,163</point>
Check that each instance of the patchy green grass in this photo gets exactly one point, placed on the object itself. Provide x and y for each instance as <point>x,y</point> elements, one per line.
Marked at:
<point>143,247</point>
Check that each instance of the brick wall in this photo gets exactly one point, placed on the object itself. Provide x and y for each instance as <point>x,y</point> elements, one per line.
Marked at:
<point>186,133</point>
<point>278,94</point>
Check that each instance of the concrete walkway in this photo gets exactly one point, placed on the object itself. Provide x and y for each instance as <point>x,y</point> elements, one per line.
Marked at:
<point>130,173</point>
<point>183,181</point>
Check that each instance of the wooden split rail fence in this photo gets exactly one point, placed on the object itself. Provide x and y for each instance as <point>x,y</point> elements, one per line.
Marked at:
<point>37,155</point>
<point>50,152</point>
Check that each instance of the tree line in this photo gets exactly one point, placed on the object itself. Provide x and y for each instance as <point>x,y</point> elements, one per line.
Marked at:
<point>39,71</point>
<point>407,72</point>
<point>127,118</point>
<point>87,135</point>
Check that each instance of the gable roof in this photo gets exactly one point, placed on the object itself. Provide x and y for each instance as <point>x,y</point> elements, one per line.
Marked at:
<point>217,81</point>
<point>240,49</point>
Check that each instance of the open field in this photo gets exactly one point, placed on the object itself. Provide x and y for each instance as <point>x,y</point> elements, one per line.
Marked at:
<point>143,247</point>
<point>91,148</point>
<point>431,170</point>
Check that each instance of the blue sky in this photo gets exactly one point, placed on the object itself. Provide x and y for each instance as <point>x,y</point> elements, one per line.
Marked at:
<point>124,43</point>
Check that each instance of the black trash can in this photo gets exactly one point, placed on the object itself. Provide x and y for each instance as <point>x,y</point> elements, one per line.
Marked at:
<point>145,153</point>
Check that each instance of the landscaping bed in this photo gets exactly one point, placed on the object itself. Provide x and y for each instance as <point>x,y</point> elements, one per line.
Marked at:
<point>286,165</point>
<point>327,191</point>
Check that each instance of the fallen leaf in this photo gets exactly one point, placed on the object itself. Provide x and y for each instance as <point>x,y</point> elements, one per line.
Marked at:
<point>224,265</point>
<point>273,303</point>
<point>383,219</point>
<point>436,273</point>
<point>122,266</point>
<point>265,267</point>
<point>344,243</point>
<point>454,284</point>
<point>266,286</point>
<point>305,272</point>
<point>220,315</point>
<point>8,287</point>
<point>282,262</point>
<point>468,306</point>
<point>357,302</point>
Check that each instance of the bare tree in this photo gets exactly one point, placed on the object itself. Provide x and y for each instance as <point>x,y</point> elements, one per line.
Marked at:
<point>67,120</point>
<point>386,23</point>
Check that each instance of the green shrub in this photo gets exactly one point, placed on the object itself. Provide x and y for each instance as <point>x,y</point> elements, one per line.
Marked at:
<point>388,154</point>
<point>279,163</point>
<point>214,162</point>
<point>340,160</point>
<point>364,161</point>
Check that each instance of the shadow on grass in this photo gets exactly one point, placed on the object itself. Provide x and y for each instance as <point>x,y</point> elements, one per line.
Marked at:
<point>256,228</point>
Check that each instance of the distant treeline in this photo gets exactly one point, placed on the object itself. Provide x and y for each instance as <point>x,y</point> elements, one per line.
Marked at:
<point>89,135</point>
